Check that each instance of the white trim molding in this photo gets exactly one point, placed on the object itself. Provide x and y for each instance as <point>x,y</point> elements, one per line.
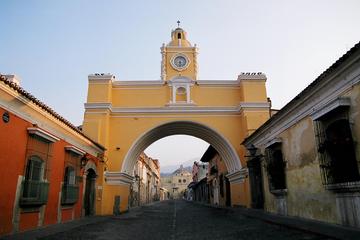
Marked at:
<point>272,142</point>
<point>98,106</point>
<point>75,150</point>
<point>256,105</point>
<point>322,110</point>
<point>118,178</point>
<point>138,83</point>
<point>238,176</point>
<point>41,133</point>
<point>227,83</point>
<point>181,107</point>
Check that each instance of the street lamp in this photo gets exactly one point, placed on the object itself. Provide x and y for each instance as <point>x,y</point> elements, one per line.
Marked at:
<point>252,150</point>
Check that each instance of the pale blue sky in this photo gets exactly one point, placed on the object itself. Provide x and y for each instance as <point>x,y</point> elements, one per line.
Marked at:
<point>54,45</point>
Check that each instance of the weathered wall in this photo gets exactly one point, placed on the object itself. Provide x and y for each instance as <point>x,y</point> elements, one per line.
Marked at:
<point>306,195</point>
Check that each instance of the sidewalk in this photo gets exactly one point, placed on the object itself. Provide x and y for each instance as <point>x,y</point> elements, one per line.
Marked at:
<point>307,225</point>
<point>64,227</point>
<point>55,228</point>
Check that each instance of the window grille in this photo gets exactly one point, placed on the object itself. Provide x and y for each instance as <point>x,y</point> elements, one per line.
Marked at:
<point>336,150</point>
<point>34,190</point>
<point>275,166</point>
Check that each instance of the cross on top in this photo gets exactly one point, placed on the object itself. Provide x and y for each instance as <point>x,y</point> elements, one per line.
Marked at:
<point>178,22</point>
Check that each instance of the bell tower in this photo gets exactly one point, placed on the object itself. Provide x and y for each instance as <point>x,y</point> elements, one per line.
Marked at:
<point>179,57</point>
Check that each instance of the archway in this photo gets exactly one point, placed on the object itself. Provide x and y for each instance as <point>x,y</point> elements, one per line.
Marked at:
<point>206,133</point>
<point>89,196</point>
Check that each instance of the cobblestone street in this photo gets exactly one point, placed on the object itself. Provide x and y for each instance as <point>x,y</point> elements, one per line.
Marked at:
<point>181,220</point>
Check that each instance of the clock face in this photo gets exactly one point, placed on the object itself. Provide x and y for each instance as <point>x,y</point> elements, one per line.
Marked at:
<point>180,62</point>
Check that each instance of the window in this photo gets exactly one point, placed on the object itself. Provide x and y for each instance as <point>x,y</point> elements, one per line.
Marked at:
<point>181,91</point>
<point>179,180</point>
<point>337,156</point>
<point>179,35</point>
<point>34,189</point>
<point>275,167</point>
<point>184,180</point>
<point>70,189</point>
<point>69,177</point>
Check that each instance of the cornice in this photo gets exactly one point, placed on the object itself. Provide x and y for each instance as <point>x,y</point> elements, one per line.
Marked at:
<point>340,102</point>
<point>41,133</point>
<point>229,83</point>
<point>139,83</point>
<point>101,76</point>
<point>75,150</point>
<point>318,95</point>
<point>102,106</point>
<point>254,105</point>
<point>179,108</point>
<point>217,83</point>
<point>238,176</point>
<point>118,178</point>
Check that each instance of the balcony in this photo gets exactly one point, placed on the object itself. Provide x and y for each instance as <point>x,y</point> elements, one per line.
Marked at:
<point>34,193</point>
<point>70,194</point>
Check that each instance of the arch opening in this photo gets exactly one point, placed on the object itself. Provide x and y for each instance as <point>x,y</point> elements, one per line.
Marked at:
<point>201,131</point>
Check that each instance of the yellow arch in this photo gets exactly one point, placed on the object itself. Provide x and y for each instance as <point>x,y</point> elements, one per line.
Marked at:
<point>192,128</point>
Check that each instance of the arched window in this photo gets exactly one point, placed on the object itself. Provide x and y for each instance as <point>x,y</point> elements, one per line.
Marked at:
<point>184,180</point>
<point>181,94</point>
<point>179,35</point>
<point>181,90</point>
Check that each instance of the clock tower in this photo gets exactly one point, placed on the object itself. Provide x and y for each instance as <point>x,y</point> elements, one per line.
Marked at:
<point>179,57</point>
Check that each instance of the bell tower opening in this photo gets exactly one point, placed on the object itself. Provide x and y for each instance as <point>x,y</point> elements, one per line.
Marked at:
<point>179,57</point>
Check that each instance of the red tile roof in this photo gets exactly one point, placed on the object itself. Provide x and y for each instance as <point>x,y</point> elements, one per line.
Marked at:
<point>45,108</point>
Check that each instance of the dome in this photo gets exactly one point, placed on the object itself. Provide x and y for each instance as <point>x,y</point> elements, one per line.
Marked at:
<point>179,38</point>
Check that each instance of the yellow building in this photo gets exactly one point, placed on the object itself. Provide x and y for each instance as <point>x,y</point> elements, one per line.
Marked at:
<point>177,182</point>
<point>128,116</point>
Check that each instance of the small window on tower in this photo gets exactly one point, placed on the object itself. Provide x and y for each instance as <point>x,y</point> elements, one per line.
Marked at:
<point>179,35</point>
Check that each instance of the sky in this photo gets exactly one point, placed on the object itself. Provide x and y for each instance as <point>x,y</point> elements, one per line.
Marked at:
<point>54,45</point>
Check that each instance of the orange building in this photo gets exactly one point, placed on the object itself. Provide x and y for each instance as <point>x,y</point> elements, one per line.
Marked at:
<point>49,166</point>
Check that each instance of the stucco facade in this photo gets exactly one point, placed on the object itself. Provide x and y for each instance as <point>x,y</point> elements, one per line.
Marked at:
<point>177,182</point>
<point>128,116</point>
<point>146,187</point>
<point>320,165</point>
<point>214,187</point>
<point>48,165</point>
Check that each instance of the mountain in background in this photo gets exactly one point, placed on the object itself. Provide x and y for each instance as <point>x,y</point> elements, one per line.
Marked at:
<point>169,169</point>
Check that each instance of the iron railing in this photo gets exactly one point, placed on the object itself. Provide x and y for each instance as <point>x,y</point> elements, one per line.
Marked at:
<point>34,192</point>
<point>70,194</point>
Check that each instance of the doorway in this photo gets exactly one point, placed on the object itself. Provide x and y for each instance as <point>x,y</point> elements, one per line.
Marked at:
<point>89,197</point>
<point>256,183</point>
